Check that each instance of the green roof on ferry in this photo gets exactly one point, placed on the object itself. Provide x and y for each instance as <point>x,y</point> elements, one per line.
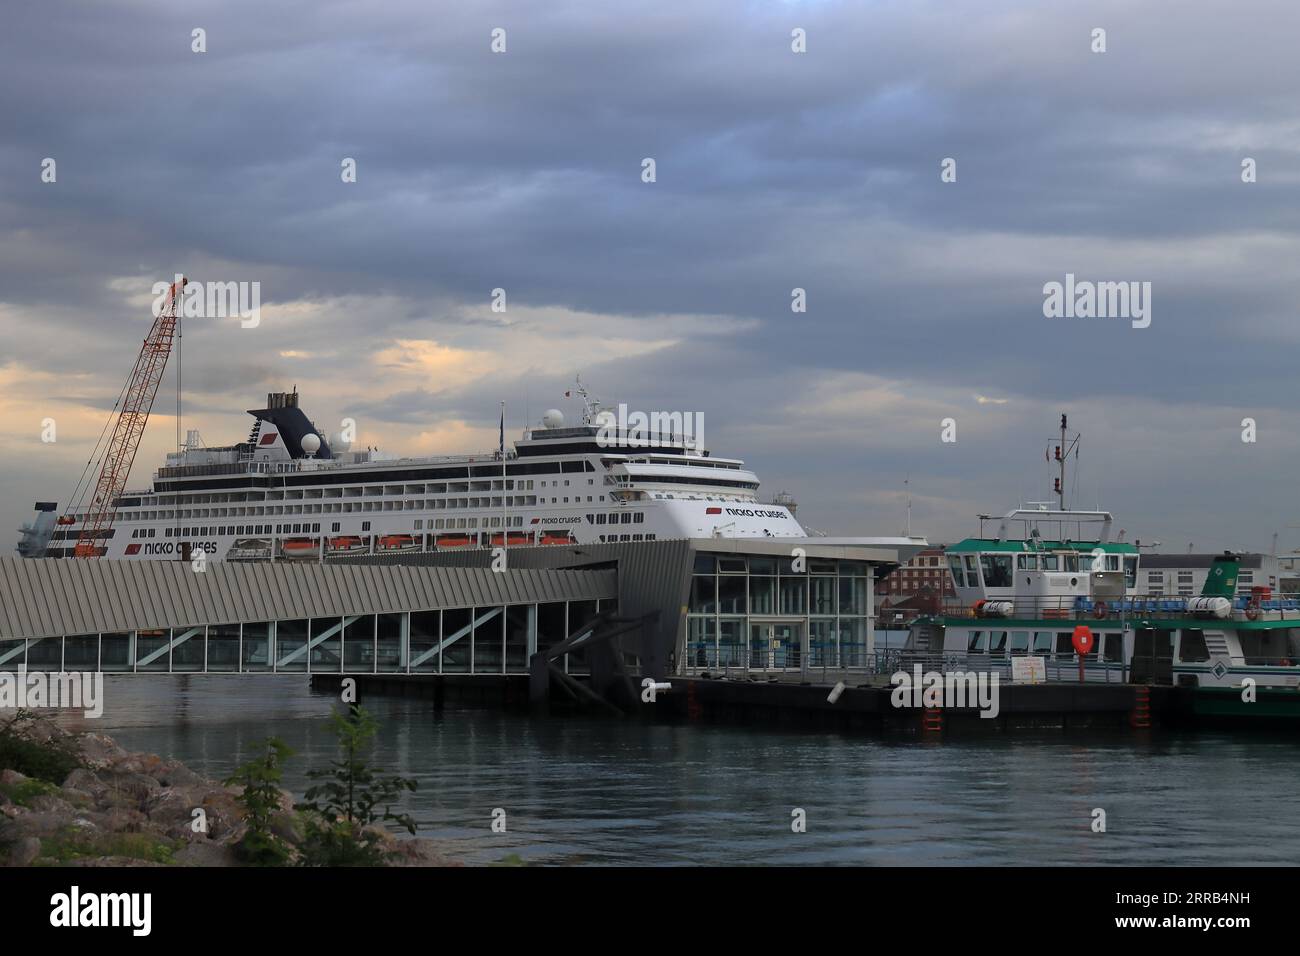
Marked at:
<point>1017,547</point>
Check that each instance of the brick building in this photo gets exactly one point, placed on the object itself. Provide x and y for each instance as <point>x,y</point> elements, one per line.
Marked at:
<point>918,587</point>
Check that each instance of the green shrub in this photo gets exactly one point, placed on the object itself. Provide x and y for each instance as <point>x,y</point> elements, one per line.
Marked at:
<point>342,811</point>
<point>51,761</point>
<point>260,779</point>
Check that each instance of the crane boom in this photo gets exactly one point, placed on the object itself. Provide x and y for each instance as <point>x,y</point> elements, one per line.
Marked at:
<point>131,420</point>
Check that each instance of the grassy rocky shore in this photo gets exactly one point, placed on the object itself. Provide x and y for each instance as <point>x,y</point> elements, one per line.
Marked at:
<point>82,800</point>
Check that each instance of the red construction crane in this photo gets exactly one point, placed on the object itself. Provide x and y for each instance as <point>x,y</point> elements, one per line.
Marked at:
<point>136,405</point>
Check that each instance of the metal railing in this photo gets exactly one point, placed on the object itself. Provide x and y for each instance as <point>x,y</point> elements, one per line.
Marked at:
<point>736,663</point>
<point>1082,608</point>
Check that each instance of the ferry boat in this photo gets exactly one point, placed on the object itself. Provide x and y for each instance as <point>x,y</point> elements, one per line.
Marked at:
<point>286,494</point>
<point>1024,595</point>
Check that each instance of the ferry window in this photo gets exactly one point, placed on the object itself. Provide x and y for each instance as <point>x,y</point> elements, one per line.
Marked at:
<point>954,565</point>
<point>1130,570</point>
<point>1026,562</point>
<point>1113,648</point>
<point>975,644</point>
<point>1064,645</point>
<point>997,642</point>
<point>151,530</point>
<point>1019,642</point>
<point>972,572</point>
<point>365,526</point>
<point>1192,646</point>
<point>1070,562</point>
<point>1049,562</point>
<point>315,527</point>
<point>1112,562</point>
<point>997,570</point>
<point>640,517</point>
<point>334,526</point>
<point>600,518</point>
<point>627,517</point>
<point>1042,642</point>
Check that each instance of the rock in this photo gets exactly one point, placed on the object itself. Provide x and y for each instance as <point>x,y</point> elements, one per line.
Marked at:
<point>24,850</point>
<point>99,751</point>
<point>49,803</point>
<point>83,779</point>
<point>137,787</point>
<point>418,852</point>
<point>206,853</point>
<point>36,823</point>
<point>11,778</point>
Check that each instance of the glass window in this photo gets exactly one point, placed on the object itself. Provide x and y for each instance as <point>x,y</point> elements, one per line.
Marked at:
<point>794,595</point>
<point>1026,562</point>
<point>1049,562</point>
<point>1070,562</point>
<point>972,571</point>
<point>731,641</point>
<point>1043,642</point>
<point>997,642</point>
<point>997,570</point>
<point>704,594</point>
<point>822,599</point>
<point>853,595</point>
<point>1192,647</point>
<point>1064,645</point>
<point>1019,642</point>
<point>731,595</point>
<point>954,565</point>
<point>976,643</point>
<point>1130,570</point>
<point>1113,648</point>
<point>762,595</point>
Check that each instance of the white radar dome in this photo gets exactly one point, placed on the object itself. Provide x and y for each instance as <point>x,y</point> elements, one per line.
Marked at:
<point>554,418</point>
<point>310,443</point>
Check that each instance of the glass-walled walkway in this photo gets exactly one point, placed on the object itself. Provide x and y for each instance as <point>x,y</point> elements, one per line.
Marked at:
<point>496,639</point>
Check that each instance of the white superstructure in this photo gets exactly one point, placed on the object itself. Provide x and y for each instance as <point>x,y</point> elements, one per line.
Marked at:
<point>286,494</point>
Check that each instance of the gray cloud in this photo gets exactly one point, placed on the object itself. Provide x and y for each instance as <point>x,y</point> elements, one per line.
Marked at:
<point>820,171</point>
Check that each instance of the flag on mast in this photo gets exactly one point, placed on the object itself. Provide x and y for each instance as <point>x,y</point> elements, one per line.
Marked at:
<point>501,434</point>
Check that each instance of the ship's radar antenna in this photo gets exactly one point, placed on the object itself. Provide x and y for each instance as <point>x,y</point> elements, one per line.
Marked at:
<point>590,404</point>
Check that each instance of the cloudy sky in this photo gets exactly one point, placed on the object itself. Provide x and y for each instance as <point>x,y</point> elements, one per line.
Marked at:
<point>775,170</point>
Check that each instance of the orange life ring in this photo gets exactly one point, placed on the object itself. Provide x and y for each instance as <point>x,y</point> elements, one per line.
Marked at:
<point>1099,610</point>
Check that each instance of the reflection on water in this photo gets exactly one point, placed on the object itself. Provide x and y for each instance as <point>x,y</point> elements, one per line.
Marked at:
<point>611,792</point>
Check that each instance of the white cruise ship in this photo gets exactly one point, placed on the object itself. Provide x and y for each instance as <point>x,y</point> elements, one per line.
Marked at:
<point>285,494</point>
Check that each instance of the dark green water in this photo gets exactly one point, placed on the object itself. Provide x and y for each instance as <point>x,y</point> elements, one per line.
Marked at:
<point>596,791</point>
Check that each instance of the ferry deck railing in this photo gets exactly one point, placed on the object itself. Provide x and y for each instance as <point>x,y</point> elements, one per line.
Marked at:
<point>1090,610</point>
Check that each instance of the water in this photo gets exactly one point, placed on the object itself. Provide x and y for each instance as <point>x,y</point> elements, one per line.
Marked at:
<point>608,792</point>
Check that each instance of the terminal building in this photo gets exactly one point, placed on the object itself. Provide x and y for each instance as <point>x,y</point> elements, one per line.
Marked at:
<point>682,605</point>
